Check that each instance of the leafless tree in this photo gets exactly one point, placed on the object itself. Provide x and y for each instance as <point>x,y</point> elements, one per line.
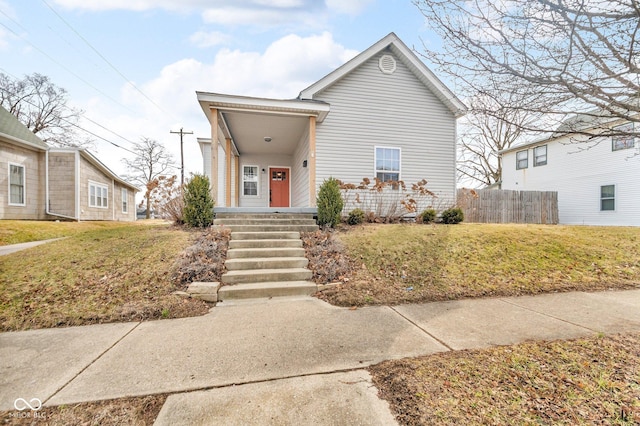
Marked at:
<point>43,108</point>
<point>494,122</point>
<point>567,56</point>
<point>151,161</point>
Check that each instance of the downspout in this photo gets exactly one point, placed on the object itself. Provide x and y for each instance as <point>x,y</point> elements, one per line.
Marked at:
<point>78,184</point>
<point>46,186</point>
<point>113,194</point>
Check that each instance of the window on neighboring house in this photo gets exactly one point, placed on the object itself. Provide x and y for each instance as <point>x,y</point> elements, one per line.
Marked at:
<point>607,197</point>
<point>540,156</point>
<point>619,142</point>
<point>388,164</point>
<point>522,159</point>
<point>250,180</point>
<point>125,200</point>
<point>16,185</point>
<point>98,195</point>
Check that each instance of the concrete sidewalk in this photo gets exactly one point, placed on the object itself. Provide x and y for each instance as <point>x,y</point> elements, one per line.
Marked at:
<point>233,360</point>
<point>12,248</point>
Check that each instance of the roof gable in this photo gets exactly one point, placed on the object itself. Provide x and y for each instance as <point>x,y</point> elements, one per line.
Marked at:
<point>408,58</point>
<point>12,129</point>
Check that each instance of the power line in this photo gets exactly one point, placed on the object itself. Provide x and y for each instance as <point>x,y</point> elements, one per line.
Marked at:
<point>128,81</point>
<point>60,64</point>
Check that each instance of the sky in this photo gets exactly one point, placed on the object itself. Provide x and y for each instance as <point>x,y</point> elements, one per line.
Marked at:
<point>133,66</point>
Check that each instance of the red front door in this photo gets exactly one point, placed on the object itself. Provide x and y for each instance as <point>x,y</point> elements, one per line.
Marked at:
<point>278,187</point>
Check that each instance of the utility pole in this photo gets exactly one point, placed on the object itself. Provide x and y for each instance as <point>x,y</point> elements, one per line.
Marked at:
<point>181,133</point>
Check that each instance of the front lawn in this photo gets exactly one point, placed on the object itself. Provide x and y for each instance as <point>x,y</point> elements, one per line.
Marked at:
<point>24,231</point>
<point>113,272</point>
<point>409,263</point>
<point>587,381</point>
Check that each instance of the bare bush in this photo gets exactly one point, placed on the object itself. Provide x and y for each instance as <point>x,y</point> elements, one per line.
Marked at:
<point>204,260</point>
<point>173,209</point>
<point>327,256</point>
<point>387,202</point>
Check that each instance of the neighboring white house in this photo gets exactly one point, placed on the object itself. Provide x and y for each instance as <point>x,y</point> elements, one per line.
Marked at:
<point>597,180</point>
<point>382,114</point>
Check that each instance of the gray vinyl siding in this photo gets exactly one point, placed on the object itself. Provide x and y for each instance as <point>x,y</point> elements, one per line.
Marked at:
<point>369,109</point>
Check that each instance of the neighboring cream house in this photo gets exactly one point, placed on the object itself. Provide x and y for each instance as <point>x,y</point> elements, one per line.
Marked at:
<point>43,183</point>
<point>596,178</point>
<point>383,114</point>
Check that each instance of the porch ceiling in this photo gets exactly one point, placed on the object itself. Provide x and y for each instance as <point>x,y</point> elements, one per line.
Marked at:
<point>249,130</point>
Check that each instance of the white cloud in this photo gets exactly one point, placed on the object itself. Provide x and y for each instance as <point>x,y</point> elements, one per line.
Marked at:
<point>265,13</point>
<point>264,17</point>
<point>286,67</point>
<point>209,39</point>
<point>350,7</point>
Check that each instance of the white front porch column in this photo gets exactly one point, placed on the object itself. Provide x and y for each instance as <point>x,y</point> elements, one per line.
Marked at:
<point>214,154</point>
<point>227,186</point>
<point>312,161</point>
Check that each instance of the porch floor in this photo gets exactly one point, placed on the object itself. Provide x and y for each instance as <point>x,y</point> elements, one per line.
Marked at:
<point>259,210</point>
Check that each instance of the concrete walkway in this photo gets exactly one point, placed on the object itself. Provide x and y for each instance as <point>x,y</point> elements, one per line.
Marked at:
<point>293,360</point>
<point>12,248</point>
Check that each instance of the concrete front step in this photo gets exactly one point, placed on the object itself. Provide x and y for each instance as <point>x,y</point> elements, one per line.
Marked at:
<point>272,235</point>
<point>266,263</point>
<point>266,243</point>
<point>271,228</point>
<point>266,275</point>
<point>262,221</point>
<point>266,289</point>
<point>266,251</point>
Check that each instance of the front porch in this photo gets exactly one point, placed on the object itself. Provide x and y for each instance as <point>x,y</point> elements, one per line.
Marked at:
<point>261,154</point>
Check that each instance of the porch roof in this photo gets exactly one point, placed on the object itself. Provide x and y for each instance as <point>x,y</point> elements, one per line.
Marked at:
<point>262,125</point>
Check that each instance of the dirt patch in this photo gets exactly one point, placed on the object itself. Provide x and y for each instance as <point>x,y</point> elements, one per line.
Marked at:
<point>140,411</point>
<point>204,259</point>
<point>592,380</point>
<point>328,259</point>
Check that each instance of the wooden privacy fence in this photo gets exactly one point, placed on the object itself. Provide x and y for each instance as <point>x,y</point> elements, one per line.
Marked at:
<point>504,206</point>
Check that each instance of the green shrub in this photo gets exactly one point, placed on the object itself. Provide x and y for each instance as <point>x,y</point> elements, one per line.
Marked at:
<point>427,216</point>
<point>452,215</point>
<point>329,202</point>
<point>198,204</point>
<point>356,217</point>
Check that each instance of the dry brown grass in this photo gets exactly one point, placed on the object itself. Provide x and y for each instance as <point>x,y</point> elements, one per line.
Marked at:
<point>23,231</point>
<point>579,382</point>
<point>114,273</point>
<point>140,411</point>
<point>408,263</point>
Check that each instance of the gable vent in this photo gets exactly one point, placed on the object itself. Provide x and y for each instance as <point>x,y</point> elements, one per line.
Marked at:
<point>387,64</point>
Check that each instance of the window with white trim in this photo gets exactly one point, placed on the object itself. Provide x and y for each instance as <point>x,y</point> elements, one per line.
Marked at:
<point>125,200</point>
<point>607,198</point>
<point>623,141</point>
<point>250,181</point>
<point>522,159</point>
<point>388,164</point>
<point>17,196</point>
<point>540,156</point>
<point>98,195</point>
